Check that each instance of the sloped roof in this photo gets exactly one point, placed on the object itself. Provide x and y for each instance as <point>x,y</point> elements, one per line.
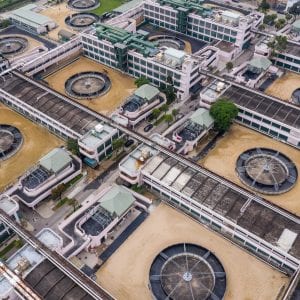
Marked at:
<point>260,63</point>
<point>30,17</point>
<point>147,91</point>
<point>202,117</point>
<point>55,160</point>
<point>117,200</point>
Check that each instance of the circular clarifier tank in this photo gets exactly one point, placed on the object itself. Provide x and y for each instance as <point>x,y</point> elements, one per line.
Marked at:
<point>266,170</point>
<point>81,20</point>
<point>87,85</point>
<point>187,271</point>
<point>11,141</point>
<point>12,45</point>
<point>83,5</point>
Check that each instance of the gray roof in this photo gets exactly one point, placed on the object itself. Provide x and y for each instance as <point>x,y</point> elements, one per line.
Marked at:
<point>127,6</point>
<point>26,15</point>
<point>202,117</point>
<point>55,160</point>
<point>147,91</point>
<point>117,200</point>
<point>260,63</point>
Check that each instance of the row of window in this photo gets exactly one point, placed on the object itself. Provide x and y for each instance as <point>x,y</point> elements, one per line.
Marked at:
<point>138,62</point>
<point>262,128</point>
<point>161,17</point>
<point>287,66</point>
<point>100,52</point>
<point>195,23</point>
<point>212,34</point>
<point>99,44</point>
<point>289,58</point>
<point>161,10</point>
<point>266,121</point>
<point>101,59</point>
<point>163,24</point>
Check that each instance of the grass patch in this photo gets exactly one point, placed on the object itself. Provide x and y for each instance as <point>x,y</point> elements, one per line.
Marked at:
<point>160,120</point>
<point>60,203</point>
<point>107,5</point>
<point>74,180</point>
<point>12,4</point>
<point>14,244</point>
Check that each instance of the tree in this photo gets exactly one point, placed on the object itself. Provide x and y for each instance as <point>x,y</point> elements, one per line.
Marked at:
<point>270,19</point>
<point>229,66</point>
<point>141,81</point>
<point>164,108</point>
<point>264,6</point>
<point>223,112</point>
<point>280,23</point>
<point>262,27</point>
<point>175,112</point>
<point>278,44</point>
<point>295,9</point>
<point>288,17</point>
<point>72,145</point>
<point>170,94</point>
<point>117,144</point>
<point>155,113</point>
<point>169,119</point>
<point>73,202</point>
<point>57,191</point>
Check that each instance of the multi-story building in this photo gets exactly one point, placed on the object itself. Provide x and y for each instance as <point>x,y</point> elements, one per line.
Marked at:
<point>258,111</point>
<point>214,202</point>
<point>193,19</point>
<point>29,20</point>
<point>55,168</point>
<point>133,54</point>
<point>140,104</point>
<point>96,144</point>
<point>98,215</point>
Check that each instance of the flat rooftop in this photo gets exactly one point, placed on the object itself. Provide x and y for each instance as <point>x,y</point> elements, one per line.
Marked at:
<point>94,138</point>
<point>292,49</point>
<point>8,204</point>
<point>49,103</point>
<point>264,105</point>
<point>131,162</point>
<point>255,217</point>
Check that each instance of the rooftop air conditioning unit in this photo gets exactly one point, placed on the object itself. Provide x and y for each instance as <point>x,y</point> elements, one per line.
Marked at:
<point>99,128</point>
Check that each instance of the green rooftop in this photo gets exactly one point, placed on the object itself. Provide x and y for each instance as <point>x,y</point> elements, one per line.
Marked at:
<point>55,160</point>
<point>202,117</point>
<point>147,91</point>
<point>117,200</point>
<point>28,16</point>
<point>124,39</point>
<point>188,5</point>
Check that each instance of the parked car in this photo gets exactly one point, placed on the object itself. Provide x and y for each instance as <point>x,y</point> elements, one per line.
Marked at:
<point>129,143</point>
<point>148,127</point>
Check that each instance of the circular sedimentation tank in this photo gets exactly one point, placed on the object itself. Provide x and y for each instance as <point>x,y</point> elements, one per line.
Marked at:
<point>11,141</point>
<point>168,41</point>
<point>187,271</point>
<point>12,45</point>
<point>83,5</point>
<point>81,20</point>
<point>266,171</point>
<point>87,85</point>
